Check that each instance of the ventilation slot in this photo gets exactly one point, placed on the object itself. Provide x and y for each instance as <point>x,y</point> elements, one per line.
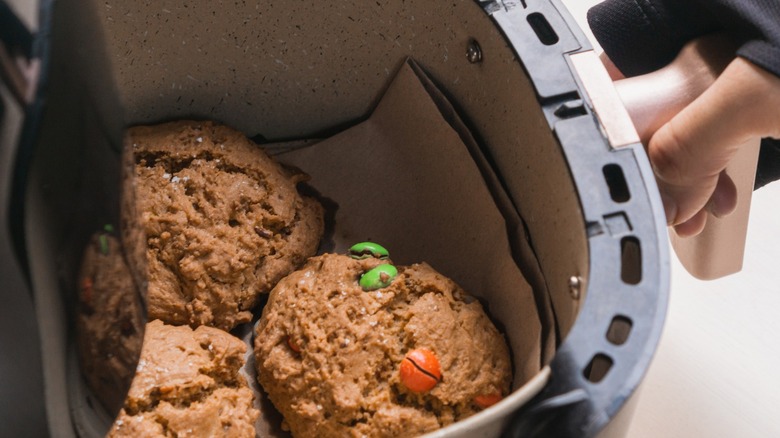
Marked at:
<point>630,260</point>
<point>541,26</point>
<point>616,181</point>
<point>618,330</point>
<point>598,368</point>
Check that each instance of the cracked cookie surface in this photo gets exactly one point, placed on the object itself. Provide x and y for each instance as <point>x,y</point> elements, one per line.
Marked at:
<point>329,353</point>
<point>187,384</point>
<point>223,221</point>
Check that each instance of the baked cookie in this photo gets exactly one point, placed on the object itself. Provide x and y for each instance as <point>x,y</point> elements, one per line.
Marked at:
<point>224,222</point>
<point>354,346</point>
<point>110,319</point>
<point>187,384</point>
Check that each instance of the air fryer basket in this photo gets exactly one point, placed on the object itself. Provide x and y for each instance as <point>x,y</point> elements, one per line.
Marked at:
<point>592,221</point>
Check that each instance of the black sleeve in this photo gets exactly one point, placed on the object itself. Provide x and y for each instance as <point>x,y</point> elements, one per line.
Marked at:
<point>768,169</point>
<point>643,35</point>
<point>756,26</point>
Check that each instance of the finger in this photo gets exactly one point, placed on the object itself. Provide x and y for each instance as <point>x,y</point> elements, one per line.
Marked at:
<point>723,201</point>
<point>689,152</point>
<point>692,226</point>
<point>670,206</point>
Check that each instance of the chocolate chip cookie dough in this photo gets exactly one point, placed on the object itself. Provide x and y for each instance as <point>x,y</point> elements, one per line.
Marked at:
<point>401,353</point>
<point>188,384</point>
<point>224,222</point>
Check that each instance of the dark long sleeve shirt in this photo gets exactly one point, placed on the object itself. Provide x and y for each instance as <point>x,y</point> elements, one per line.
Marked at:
<point>641,36</point>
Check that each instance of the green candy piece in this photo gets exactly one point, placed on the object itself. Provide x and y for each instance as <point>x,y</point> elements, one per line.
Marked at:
<point>364,250</point>
<point>103,239</point>
<point>379,277</point>
<point>103,242</point>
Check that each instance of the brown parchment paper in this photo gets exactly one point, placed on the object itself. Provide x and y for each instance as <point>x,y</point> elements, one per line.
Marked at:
<point>405,179</point>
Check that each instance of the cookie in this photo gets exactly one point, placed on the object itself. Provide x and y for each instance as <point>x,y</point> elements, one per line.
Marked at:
<point>187,384</point>
<point>223,221</point>
<point>402,354</point>
<point>110,319</point>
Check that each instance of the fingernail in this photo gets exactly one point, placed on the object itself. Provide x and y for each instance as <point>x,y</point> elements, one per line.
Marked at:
<point>724,199</point>
<point>670,208</point>
<point>714,207</point>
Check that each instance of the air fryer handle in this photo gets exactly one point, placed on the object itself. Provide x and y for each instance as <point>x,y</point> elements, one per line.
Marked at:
<point>655,98</point>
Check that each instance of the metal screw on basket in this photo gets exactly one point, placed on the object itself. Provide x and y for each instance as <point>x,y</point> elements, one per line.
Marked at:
<point>474,52</point>
<point>575,286</point>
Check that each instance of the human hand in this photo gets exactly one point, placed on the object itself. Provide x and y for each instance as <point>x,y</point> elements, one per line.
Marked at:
<point>690,152</point>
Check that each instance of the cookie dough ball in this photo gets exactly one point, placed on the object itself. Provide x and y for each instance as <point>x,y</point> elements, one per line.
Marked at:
<point>335,356</point>
<point>110,319</point>
<point>187,384</point>
<point>224,222</point>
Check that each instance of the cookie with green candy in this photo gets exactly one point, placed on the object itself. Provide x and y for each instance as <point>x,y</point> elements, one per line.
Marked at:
<point>391,350</point>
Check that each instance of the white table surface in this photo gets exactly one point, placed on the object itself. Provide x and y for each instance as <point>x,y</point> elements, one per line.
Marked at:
<point>716,372</point>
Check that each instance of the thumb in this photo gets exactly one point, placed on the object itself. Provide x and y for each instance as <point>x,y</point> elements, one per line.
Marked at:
<point>689,152</point>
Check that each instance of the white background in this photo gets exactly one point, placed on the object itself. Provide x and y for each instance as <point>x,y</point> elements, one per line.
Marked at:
<point>716,372</point>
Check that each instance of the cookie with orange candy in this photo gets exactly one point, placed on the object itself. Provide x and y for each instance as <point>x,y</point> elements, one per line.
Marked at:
<point>353,345</point>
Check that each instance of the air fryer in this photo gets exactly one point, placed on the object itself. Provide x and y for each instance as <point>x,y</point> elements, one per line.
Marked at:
<point>585,219</point>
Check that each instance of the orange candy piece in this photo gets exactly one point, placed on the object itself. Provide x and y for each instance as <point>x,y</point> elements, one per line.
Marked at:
<point>485,401</point>
<point>86,289</point>
<point>420,370</point>
<point>293,346</point>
